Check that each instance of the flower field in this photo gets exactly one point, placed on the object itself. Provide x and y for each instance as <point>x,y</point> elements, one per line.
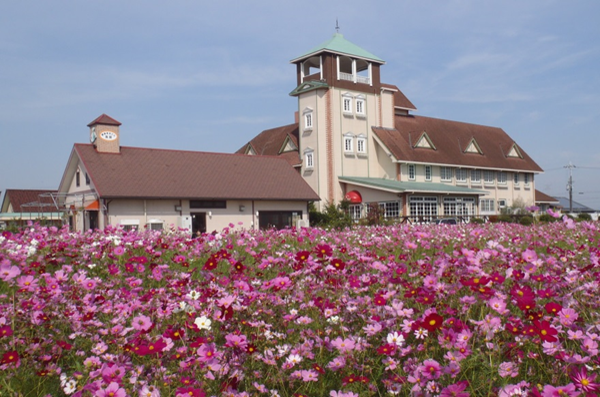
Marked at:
<point>467,310</point>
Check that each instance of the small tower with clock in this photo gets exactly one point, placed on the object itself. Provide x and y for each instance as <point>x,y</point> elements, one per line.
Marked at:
<point>104,134</point>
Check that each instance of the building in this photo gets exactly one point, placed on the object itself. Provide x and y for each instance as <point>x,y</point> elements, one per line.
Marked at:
<point>357,138</point>
<point>546,202</point>
<point>20,206</point>
<point>105,183</point>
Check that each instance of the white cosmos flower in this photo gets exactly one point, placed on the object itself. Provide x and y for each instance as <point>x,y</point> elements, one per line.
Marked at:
<point>202,322</point>
<point>395,338</point>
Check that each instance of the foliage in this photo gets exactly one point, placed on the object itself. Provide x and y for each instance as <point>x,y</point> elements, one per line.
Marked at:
<point>547,218</point>
<point>478,221</point>
<point>469,310</point>
<point>333,217</point>
<point>584,217</point>
<point>526,220</point>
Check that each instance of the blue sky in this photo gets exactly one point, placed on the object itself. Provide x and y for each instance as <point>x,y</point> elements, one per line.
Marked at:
<point>208,76</point>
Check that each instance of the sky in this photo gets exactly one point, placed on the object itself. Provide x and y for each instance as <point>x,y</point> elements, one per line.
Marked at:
<point>210,75</point>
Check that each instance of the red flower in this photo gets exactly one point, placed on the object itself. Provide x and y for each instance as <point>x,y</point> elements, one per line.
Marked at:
<point>338,264</point>
<point>189,391</point>
<point>323,250</point>
<point>432,322</point>
<point>6,331</point>
<point>388,349</point>
<point>10,357</point>
<point>379,300</point>
<point>318,368</point>
<point>302,256</point>
<point>545,331</point>
<point>553,308</point>
<point>210,264</point>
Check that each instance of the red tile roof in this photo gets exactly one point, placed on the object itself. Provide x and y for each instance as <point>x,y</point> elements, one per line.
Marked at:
<point>269,143</point>
<point>400,100</point>
<point>104,119</point>
<point>159,173</point>
<point>451,139</point>
<point>28,200</point>
<point>541,197</point>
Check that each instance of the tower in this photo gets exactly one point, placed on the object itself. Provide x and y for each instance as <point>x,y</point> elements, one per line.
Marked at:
<point>104,134</point>
<point>340,97</point>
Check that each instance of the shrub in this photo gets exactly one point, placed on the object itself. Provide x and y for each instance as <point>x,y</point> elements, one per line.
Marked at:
<point>545,218</point>
<point>505,218</point>
<point>477,221</point>
<point>584,217</point>
<point>526,220</point>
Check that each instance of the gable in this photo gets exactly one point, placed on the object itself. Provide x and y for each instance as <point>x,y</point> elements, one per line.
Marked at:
<point>425,142</point>
<point>514,152</point>
<point>288,146</point>
<point>473,147</point>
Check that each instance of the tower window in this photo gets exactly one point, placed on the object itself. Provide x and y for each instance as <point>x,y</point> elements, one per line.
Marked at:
<point>309,159</point>
<point>361,144</point>
<point>308,121</point>
<point>360,106</point>
<point>348,143</point>
<point>347,104</point>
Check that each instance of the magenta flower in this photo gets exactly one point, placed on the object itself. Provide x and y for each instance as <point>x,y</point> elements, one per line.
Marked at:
<point>234,340</point>
<point>141,323</point>
<point>583,381</point>
<point>112,390</point>
<point>560,391</point>
<point>430,369</point>
<point>343,345</point>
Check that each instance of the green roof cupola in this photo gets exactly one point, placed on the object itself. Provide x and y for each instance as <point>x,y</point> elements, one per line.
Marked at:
<point>339,63</point>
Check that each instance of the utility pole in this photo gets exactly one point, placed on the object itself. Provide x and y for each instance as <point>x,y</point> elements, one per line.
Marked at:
<point>570,185</point>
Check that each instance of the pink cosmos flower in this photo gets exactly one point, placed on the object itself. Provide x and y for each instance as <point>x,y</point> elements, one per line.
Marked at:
<point>585,382</point>
<point>28,283</point>
<point>567,316</point>
<point>560,391</point>
<point>430,369</point>
<point>8,272</point>
<point>343,345</point>
<point>508,369</point>
<point>112,390</point>
<point>234,340</point>
<point>309,375</point>
<point>141,323</point>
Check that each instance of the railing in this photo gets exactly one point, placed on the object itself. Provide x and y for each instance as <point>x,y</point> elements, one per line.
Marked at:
<point>359,79</point>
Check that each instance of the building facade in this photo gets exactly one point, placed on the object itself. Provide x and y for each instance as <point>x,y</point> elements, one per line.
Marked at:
<point>105,184</point>
<point>357,138</point>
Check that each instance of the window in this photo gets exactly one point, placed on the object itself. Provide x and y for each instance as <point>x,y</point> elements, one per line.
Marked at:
<point>487,205</point>
<point>461,175</point>
<point>526,179</point>
<point>347,104</point>
<point>308,121</point>
<point>348,138</point>
<point>423,206</point>
<point>77,178</point>
<point>208,204</point>
<point>501,177</point>
<point>360,106</point>
<point>412,172</point>
<point>516,178</point>
<point>155,224</point>
<point>501,203</point>
<point>390,209</point>
<point>459,206</point>
<point>428,173</point>
<point>488,177</point>
<point>309,159</point>
<point>475,176</point>
<point>446,174</point>
<point>361,144</point>
<point>355,211</point>
<point>87,179</point>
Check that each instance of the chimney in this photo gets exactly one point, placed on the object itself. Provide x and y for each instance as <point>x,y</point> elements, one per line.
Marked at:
<point>296,117</point>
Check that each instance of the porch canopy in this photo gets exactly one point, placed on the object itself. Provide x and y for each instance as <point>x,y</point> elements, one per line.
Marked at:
<point>394,186</point>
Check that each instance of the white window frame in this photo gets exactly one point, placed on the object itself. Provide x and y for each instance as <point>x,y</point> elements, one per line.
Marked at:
<point>526,178</point>
<point>360,105</point>
<point>347,104</point>
<point>361,144</point>
<point>502,203</point>
<point>476,176</point>
<point>516,179</point>
<point>502,177</point>
<point>446,174</point>
<point>428,173</point>
<point>309,159</point>
<point>461,175</point>
<point>308,121</point>
<point>412,172</point>
<point>486,206</point>
<point>489,177</point>
<point>348,143</point>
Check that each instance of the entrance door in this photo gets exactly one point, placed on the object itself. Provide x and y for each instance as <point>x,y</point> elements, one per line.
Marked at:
<point>198,223</point>
<point>93,219</point>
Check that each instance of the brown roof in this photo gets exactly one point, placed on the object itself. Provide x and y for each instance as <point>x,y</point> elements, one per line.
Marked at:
<point>28,200</point>
<point>159,173</point>
<point>104,119</point>
<point>541,197</point>
<point>451,139</point>
<point>270,142</point>
<point>400,100</point>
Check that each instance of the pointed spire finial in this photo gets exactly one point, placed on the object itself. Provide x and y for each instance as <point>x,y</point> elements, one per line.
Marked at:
<point>337,26</point>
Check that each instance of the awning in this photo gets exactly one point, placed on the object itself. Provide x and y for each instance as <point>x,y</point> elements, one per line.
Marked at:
<point>94,206</point>
<point>354,197</point>
<point>390,185</point>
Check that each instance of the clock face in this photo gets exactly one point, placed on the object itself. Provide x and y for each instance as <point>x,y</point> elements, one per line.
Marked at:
<point>108,135</point>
